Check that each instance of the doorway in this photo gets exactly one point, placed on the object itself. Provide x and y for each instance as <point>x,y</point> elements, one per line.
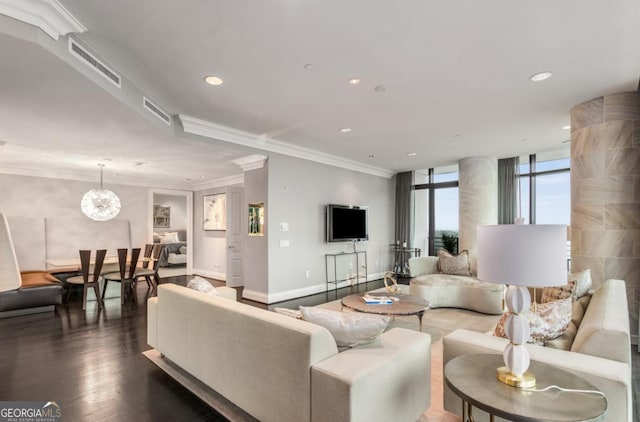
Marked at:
<point>171,222</point>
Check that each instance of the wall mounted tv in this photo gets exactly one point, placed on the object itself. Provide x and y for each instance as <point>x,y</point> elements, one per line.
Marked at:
<point>347,223</point>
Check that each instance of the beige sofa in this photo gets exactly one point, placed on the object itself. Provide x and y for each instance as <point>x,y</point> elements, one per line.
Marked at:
<point>600,352</point>
<point>277,368</point>
<point>453,291</point>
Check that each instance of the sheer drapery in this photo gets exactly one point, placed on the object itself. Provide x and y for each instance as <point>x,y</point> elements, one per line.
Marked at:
<point>507,190</point>
<point>404,188</point>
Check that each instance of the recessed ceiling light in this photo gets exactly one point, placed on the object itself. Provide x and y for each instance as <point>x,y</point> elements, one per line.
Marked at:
<point>567,127</point>
<point>309,67</point>
<point>380,88</point>
<point>140,163</point>
<point>540,76</point>
<point>411,154</point>
<point>354,81</point>
<point>345,130</point>
<point>213,80</point>
<point>203,177</point>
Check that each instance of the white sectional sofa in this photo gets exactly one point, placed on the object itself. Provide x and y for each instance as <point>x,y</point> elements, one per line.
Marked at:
<point>279,369</point>
<point>600,352</point>
<point>453,291</point>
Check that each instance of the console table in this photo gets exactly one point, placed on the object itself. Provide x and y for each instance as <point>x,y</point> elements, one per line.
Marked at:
<point>359,273</point>
<point>401,255</point>
<point>473,379</point>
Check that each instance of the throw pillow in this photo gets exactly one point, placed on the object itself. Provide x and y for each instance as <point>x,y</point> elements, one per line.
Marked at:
<point>454,265</point>
<point>583,282</point>
<point>292,313</point>
<point>202,285</point>
<point>550,294</point>
<point>347,328</point>
<point>550,321</point>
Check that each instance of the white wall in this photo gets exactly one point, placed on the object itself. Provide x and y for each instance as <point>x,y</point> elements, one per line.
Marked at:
<point>209,247</point>
<point>298,191</point>
<point>256,248</point>
<point>26,196</point>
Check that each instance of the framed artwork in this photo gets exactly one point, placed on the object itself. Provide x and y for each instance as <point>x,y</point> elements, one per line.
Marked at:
<point>215,212</point>
<point>256,219</point>
<point>161,217</point>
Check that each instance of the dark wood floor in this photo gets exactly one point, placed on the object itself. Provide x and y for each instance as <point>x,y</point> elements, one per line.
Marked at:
<point>91,363</point>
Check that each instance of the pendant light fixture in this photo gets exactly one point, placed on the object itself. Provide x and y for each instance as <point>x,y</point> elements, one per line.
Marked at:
<point>100,204</point>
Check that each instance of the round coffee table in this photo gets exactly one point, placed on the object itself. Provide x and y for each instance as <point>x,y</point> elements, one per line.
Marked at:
<point>405,305</point>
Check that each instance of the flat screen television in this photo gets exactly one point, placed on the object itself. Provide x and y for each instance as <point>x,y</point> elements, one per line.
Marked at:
<point>347,223</point>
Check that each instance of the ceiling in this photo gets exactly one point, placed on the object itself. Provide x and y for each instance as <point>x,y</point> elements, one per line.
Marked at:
<point>452,77</point>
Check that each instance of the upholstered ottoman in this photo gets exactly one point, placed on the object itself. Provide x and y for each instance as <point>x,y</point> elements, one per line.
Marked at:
<point>455,291</point>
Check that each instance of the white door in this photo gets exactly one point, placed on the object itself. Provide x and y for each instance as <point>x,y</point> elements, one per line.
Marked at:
<point>235,231</point>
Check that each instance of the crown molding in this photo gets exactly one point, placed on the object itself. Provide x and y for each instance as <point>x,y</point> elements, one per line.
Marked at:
<point>221,182</point>
<point>251,162</point>
<point>48,15</point>
<point>208,129</point>
<point>211,130</point>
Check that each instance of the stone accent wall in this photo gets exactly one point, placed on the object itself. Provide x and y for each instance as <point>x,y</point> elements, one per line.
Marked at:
<point>478,200</point>
<point>605,192</point>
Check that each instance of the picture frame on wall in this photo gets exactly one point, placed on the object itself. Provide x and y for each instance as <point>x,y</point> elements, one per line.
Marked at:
<point>256,219</point>
<point>161,217</point>
<point>214,213</point>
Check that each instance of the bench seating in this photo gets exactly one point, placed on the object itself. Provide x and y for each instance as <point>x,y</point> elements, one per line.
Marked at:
<point>24,292</point>
<point>453,291</point>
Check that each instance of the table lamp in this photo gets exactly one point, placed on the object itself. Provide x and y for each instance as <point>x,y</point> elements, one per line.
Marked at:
<point>521,256</point>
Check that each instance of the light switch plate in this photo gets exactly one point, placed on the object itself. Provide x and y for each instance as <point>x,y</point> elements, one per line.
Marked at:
<point>284,243</point>
<point>284,227</point>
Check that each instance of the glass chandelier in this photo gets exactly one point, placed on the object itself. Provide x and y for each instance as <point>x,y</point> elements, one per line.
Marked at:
<point>100,204</point>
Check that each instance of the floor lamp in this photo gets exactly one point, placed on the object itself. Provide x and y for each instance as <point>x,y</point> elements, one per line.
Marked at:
<point>521,256</point>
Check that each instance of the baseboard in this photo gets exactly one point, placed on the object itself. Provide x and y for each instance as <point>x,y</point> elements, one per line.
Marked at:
<point>210,274</point>
<point>269,298</point>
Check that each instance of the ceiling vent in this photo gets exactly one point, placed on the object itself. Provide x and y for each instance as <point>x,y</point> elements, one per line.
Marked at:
<point>157,111</point>
<point>90,60</point>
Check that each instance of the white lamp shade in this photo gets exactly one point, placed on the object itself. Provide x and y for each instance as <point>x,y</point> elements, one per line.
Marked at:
<point>523,255</point>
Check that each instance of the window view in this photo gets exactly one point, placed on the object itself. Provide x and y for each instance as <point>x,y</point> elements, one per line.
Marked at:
<point>549,202</point>
<point>436,210</point>
<point>545,198</point>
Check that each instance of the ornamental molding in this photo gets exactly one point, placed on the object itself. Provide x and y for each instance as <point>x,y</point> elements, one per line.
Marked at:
<point>48,15</point>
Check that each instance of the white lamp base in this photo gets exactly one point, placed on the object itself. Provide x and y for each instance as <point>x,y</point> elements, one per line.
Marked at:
<point>516,355</point>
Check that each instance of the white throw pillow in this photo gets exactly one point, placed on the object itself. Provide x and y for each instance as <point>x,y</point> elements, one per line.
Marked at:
<point>583,282</point>
<point>347,328</point>
<point>202,285</point>
<point>169,237</point>
<point>550,321</point>
<point>291,313</point>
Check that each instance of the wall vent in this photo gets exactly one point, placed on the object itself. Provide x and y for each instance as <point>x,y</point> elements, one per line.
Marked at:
<point>90,60</point>
<point>157,111</point>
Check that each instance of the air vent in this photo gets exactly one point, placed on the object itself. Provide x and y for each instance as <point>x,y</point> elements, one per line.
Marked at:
<point>90,60</point>
<point>156,110</point>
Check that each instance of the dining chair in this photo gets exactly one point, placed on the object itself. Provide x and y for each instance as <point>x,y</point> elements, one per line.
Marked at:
<point>126,273</point>
<point>89,277</point>
<point>151,274</point>
<point>145,271</point>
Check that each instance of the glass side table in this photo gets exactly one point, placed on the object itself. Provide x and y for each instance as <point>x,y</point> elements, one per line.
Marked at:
<point>473,379</point>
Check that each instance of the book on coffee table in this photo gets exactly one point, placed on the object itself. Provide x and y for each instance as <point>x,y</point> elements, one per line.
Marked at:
<point>378,300</point>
